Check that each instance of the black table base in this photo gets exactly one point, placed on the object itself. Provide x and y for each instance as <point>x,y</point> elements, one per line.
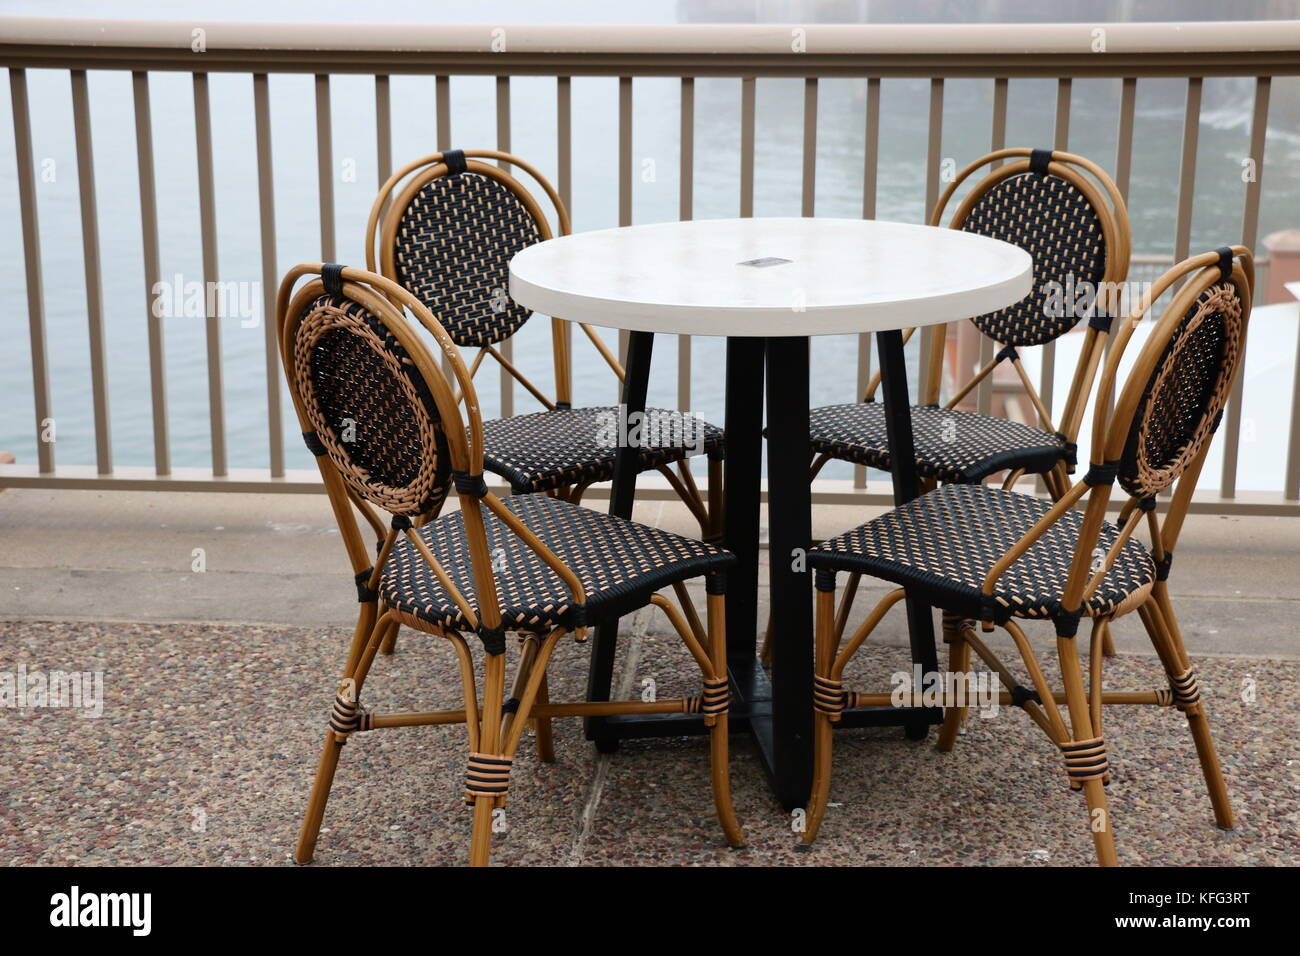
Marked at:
<point>777,712</point>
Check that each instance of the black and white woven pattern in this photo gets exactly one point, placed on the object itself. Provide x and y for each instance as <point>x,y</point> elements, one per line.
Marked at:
<point>620,564</point>
<point>951,445</point>
<point>370,408</point>
<point>945,542</point>
<point>555,449</point>
<point>1185,395</point>
<point>453,249</point>
<point>1056,224</point>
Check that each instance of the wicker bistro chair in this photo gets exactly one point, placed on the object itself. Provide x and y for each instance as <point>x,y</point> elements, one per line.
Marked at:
<point>1077,231</point>
<point>1076,228</point>
<point>991,555</point>
<point>388,433</point>
<point>446,227</point>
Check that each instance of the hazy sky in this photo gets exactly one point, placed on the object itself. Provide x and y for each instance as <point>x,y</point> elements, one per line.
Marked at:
<point>652,11</point>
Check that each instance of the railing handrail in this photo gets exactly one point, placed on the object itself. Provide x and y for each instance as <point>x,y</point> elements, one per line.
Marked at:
<point>1255,48</point>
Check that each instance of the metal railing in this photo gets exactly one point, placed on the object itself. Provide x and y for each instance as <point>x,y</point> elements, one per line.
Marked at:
<point>1001,54</point>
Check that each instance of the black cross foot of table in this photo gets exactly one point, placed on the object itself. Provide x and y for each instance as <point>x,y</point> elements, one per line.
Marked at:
<point>777,712</point>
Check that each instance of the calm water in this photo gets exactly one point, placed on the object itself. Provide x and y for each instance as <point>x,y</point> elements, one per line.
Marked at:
<point>1224,136</point>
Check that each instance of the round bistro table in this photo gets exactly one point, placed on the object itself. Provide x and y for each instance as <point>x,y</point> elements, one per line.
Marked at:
<point>767,285</point>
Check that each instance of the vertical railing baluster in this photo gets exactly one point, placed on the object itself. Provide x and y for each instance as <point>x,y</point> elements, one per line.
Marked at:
<point>997,140</point>
<point>1061,133</point>
<point>211,272</point>
<point>383,131</point>
<point>1187,169</point>
<point>624,187</point>
<point>1124,139</point>
<point>325,165</point>
<point>685,212</point>
<point>747,105</point>
<point>564,185</point>
<point>506,346</point>
<point>1124,172</point>
<point>32,260</point>
<point>624,151</point>
<point>442,104</point>
<point>270,275</point>
<point>809,190</point>
<point>930,381</point>
<point>1187,184</point>
<point>1249,235</point>
<point>1060,140</point>
<point>564,140</point>
<point>870,172</point>
<point>94,278</point>
<point>152,270</point>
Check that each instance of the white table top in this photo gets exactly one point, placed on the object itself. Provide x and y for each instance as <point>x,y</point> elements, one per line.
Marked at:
<point>843,275</point>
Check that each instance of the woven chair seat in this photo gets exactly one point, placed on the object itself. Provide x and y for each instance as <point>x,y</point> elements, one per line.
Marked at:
<point>951,445</point>
<point>620,564</point>
<point>945,542</point>
<point>554,449</point>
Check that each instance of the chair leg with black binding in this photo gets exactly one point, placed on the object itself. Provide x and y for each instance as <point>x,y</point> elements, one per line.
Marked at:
<point>1085,751</point>
<point>954,628</point>
<point>718,684</point>
<point>828,702</point>
<point>1185,687</point>
<point>830,699</point>
<point>542,727</point>
<point>487,775</point>
<point>345,717</point>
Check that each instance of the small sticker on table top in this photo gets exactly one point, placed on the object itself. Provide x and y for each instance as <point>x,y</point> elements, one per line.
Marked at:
<point>764,262</point>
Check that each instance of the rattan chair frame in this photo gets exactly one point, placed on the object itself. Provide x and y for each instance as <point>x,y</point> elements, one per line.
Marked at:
<point>1079,732</point>
<point>396,196</point>
<point>494,728</point>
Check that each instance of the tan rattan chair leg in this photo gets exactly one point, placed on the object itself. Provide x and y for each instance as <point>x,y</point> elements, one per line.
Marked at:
<point>958,663</point>
<point>494,679</point>
<point>320,792</point>
<point>846,604</point>
<point>693,489</point>
<point>693,502</point>
<point>1163,630</point>
<point>826,641</point>
<point>360,657</point>
<point>719,753</point>
<point>1082,732</point>
<point>542,726</point>
<point>1056,481</point>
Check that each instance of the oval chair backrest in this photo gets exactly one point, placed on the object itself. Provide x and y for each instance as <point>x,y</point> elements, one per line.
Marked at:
<point>449,237</point>
<point>1174,398</point>
<point>1160,426</point>
<point>361,382</point>
<point>1070,227</point>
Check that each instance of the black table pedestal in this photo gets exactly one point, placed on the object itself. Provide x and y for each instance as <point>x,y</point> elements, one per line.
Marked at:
<point>777,712</point>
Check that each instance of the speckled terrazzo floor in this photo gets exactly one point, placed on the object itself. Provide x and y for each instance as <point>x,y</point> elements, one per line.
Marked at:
<point>208,741</point>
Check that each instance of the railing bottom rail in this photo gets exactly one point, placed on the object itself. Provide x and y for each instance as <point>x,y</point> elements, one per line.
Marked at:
<point>826,491</point>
